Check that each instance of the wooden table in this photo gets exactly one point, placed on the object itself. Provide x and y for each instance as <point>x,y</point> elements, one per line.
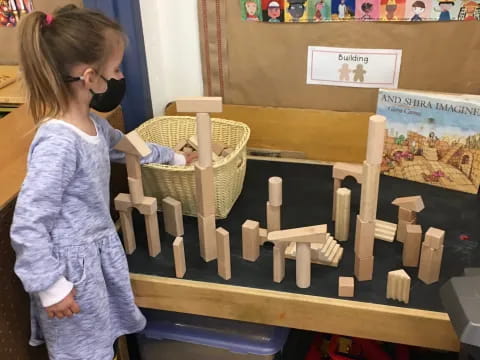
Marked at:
<point>248,301</point>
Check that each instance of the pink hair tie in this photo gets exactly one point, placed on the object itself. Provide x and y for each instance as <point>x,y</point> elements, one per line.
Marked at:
<point>49,19</point>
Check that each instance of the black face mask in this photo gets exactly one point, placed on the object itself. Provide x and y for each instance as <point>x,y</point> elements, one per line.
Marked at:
<point>108,100</point>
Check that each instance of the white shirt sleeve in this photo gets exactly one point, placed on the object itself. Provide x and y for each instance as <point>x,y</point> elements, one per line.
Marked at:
<point>55,293</point>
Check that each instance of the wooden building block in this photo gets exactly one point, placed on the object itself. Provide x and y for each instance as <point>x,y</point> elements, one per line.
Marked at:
<point>278,263</point>
<point>364,238</point>
<point>275,191</point>
<point>223,254</point>
<point>172,216</point>
<point>364,268</point>
<point>342,217</point>
<point>346,286</point>
<point>369,194</point>
<point>193,143</point>
<point>376,139</point>
<point>133,166</point>
<point>207,236</point>
<point>250,240</point>
<point>262,233</point>
<point>122,202</point>
<point>336,185</point>
<point>180,145</point>
<point>342,170</point>
<point>303,265</point>
<point>227,152</point>
<point>179,257</point>
<point>202,104</point>
<point>402,229</point>
<point>218,148</point>
<point>205,190</point>
<point>398,286</point>
<point>273,217</point>
<point>406,214</point>
<point>133,144</point>
<point>385,230</point>
<point>430,264</point>
<point>411,245</point>
<point>148,206</point>
<point>127,231</point>
<point>308,234</point>
<point>413,203</point>
<point>136,190</point>
<point>204,134</point>
<point>434,238</point>
<point>153,235</point>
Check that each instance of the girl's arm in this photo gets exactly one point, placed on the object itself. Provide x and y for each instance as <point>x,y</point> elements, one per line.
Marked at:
<point>159,154</point>
<point>51,166</point>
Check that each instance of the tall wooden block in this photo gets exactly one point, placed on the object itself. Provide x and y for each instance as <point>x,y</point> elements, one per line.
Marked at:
<point>172,216</point>
<point>342,217</point>
<point>250,240</point>
<point>205,190</point>
<point>275,191</point>
<point>369,194</point>
<point>223,254</point>
<point>364,238</point>
<point>273,217</point>
<point>179,257</point>
<point>434,238</point>
<point>127,231</point>
<point>262,233</point>
<point>278,263</point>
<point>402,229</point>
<point>430,264</point>
<point>133,166</point>
<point>364,268</point>
<point>207,236</point>
<point>153,235</point>
<point>136,190</point>
<point>376,139</point>
<point>411,246</point>
<point>303,265</point>
<point>204,134</point>
<point>346,286</point>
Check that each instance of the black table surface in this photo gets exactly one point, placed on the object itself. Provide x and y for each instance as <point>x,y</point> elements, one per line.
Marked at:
<point>307,200</point>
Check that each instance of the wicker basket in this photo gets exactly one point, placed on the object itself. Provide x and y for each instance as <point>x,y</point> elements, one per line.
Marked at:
<point>178,182</point>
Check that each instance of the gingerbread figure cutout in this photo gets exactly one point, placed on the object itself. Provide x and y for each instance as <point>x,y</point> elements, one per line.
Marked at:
<point>344,72</point>
<point>359,73</point>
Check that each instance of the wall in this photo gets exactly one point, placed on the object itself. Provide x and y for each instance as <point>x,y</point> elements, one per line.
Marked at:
<point>172,47</point>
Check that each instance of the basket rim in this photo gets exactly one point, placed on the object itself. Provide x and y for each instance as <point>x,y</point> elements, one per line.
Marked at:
<point>221,162</point>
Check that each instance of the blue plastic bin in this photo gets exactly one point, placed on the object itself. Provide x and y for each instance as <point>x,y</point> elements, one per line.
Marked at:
<point>182,336</point>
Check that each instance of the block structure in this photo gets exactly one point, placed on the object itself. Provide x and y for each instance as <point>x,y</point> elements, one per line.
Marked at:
<point>408,207</point>
<point>340,172</point>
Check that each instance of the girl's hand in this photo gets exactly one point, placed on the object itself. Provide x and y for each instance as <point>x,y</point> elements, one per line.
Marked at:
<point>191,157</point>
<point>65,308</point>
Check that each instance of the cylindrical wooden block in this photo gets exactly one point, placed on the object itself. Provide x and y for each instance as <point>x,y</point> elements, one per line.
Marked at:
<point>204,136</point>
<point>376,138</point>
<point>275,191</point>
<point>303,259</point>
<point>342,216</point>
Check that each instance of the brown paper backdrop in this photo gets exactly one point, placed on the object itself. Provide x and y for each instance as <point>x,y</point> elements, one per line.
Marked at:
<point>9,54</point>
<point>267,62</point>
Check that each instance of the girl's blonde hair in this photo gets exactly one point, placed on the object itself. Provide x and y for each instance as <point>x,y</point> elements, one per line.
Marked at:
<point>51,45</point>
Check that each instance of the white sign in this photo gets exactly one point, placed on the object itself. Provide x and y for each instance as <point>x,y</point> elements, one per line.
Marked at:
<point>369,68</point>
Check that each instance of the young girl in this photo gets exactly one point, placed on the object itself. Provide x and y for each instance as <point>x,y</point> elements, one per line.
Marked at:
<point>69,256</point>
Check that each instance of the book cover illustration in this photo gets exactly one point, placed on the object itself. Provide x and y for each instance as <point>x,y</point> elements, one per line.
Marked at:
<point>432,138</point>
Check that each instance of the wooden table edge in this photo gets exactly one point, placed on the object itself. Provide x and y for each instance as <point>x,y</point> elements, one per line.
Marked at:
<point>344,317</point>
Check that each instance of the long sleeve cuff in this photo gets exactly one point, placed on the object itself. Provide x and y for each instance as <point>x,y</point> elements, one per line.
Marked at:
<point>55,293</point>
<point>179,159</point>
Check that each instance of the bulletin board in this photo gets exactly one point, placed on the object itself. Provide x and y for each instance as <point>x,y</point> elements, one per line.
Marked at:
<point>8,36</point>
<point>263,64</point>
